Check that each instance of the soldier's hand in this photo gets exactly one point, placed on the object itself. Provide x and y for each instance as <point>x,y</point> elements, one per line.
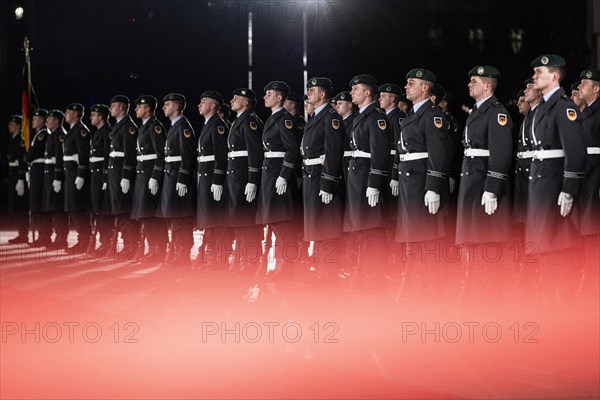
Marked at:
<point>20,187</point>
<point>490,202</point>
<point>432,200</point>
<point>79,181</point>
<point>181,189</point>
<point>217,191</point>
<point>281,185</point>
<point>104,186</point>
<point>125,185</point>
<point>250,192</point>
<point>452,184</point>
<point>565,201</point>
<point>153,186</point>
<point>372,196</point>
<point>395,186</point>
<point>56,185</point>
<point>326,197</point>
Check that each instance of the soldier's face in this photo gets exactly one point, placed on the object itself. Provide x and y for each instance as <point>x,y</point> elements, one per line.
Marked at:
<point>588,90</point>
<point>386,100</point>
<point>413,89</point>
<point>309,108</point>
<point>343,108</point>
<point>169,108</point>
<point>95,118</point>
<point>237,103</point>
<point>38,122</point>
<point>313,95</point>
<point>522,105</point>
<point>206,106</point>
<point>358,93</point>
<point>13,127</point>
<point>476,88</point>
<point>542,78</point>
<point>71,116</point>
<point>141,111</point>
<point>52,123</point>
<point>271,98</point>
<point>116,109</point>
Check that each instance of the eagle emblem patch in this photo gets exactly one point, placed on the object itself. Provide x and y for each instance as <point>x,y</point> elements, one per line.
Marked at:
<point>253,126</point>
<point>288,124</point>
<point>131,130</point>
<point>83,133</point>
<point>158,130</point>
<point>187,133</point>
<point>571,114</point>
<point>381,124</point>
<point>335,123</point>
<point>502,119</point>
<point>41,136</point>
<point>221,130</point>
<point>437,121</point>
<point>61,138</point>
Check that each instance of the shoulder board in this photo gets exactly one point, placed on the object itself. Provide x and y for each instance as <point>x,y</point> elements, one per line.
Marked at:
<point>379,110</point>
<point>331,111</point>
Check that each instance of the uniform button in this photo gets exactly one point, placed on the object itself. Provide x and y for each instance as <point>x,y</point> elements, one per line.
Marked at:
<point>461,174</point>
<point>466,173</point>
<point>531,178</point>
<point>539,176</point>
<point>526,169</point>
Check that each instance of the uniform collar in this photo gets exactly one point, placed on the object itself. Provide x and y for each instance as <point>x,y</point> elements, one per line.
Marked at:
<point>550,93</point>
<point>418,105</point>
<point>318,109</point>
<point>364,108</point>
<point>174,121</point>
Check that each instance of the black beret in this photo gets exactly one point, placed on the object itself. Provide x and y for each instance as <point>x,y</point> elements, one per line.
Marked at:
<point>591,74</point>
<point>119,99</point>
<point>295,97</point>
<point>76,107</point>
<point>390,88</point>
<point>319,81</point>
<point>174,97</point>
<point>245,92</point>
<point>575,86</point>
<point>404,99</point>
<point>484,71</point>
<point>56,114</point>
<point>17,119</point>
<point>448,97</point>
<point>343,96</point>
<point>365,79</point>
<point>278,85</point>
<point>438,91</point>
<point>40,112</point>
<point>528,81</point>
<point>224,108</point>
<point>520,93</point>
<point>211,94</point>
<point>549,60</point>
<point>421,73</point>
<point>305,97</point>
<point>146,99</point>
<point>100,109</point>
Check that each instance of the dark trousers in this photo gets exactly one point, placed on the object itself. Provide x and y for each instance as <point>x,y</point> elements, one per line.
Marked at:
<point>182,236</point>
<point>59,221</point>
<point>80,222</point>
<point>287,251</point>
<point>43,224</point>
<point>103,226</point>
<point>156,232</point>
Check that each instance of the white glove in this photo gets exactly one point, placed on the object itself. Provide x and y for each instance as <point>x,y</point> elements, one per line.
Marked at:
<point>181,189</point>
<point>104,186</point>
<point>325,197</point>
<point>125,185</point>
<point>79,181</point>
<point>432,200</point>
<point>281,185</point>
<point>452,184</point>
<point>20,187</point>
<point>373,196</point>
<point>57,185</point>
<point>395,185</point>
<point>217,191</point>
<point>250,192</point>
<point>490,202</point>
<point>565,201</point>
<point>153,186</point>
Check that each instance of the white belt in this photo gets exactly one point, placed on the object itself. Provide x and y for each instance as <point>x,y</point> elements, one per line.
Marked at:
<point>392,152</point>
<point>239,153</point>
<point>172,158</point>
<point>96,159</point>
<point>74,157</point>
<point>360,154</point>
<point>13,163</point>
<point>477,153</point>
<point>525,154</point>
<point>274,154</point>
<point>541,154</point>
<point>348,153</point>
<point>115,154</point>
<point>314,161</point>
<point>50,161</point>
<point>413,156</point>
<point>146,157</point>
<point>39,161</point>
<point>206,158</point>
<point>593,150</point>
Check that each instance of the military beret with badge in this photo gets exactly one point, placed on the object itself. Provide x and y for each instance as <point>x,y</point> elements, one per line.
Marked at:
<point>17,119</point>
<point>100,109</point>
<point>56,114</point>
<point>294,97</point>
<point>212,94</point>
<point>174,97</point>
<point>591,74</point>
<point>421,73</point>
<point>364,79</point>
<point>319,81</point>
<point>279,86</point>
<point>75,107</point>
<point>343,96</point>
<point>40,112</point>
<point>484,71</point>
<point>549,60</point>
<point>245,92</point>
<point>575,86</point>
<point>147,99</point>
<point>119,99</point>
<point>390,88</point>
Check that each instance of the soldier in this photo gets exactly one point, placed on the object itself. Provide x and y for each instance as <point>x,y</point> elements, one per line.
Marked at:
<point>245,158</point>
<point>404,104</point>
<point>102,224</point>
<point>35,159</point>
<point>120,178</point>
<point>484,196</point>
<point>16,180</point>
<point>367,176</point>
<point>276,199</point>
<point>150,170</point>
<point>424,158</point>
<point>322,151</point>
<point>309,110</point>
<point>211,203</point>
<point>224,112</point>
<point>589,197</point>
<point>53,194</point>
<point>76,152</point>
<point>292,105</point>
<point>579,102</point>
<point>176,203</point>
<point>555,175</point>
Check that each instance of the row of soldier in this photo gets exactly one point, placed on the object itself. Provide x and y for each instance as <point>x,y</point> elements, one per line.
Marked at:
<point>370,176</point>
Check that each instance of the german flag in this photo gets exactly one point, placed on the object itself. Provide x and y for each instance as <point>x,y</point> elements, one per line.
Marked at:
<point>28,100</point>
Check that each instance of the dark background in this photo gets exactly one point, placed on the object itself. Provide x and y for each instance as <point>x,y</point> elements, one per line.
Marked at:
<point>88,51</point>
